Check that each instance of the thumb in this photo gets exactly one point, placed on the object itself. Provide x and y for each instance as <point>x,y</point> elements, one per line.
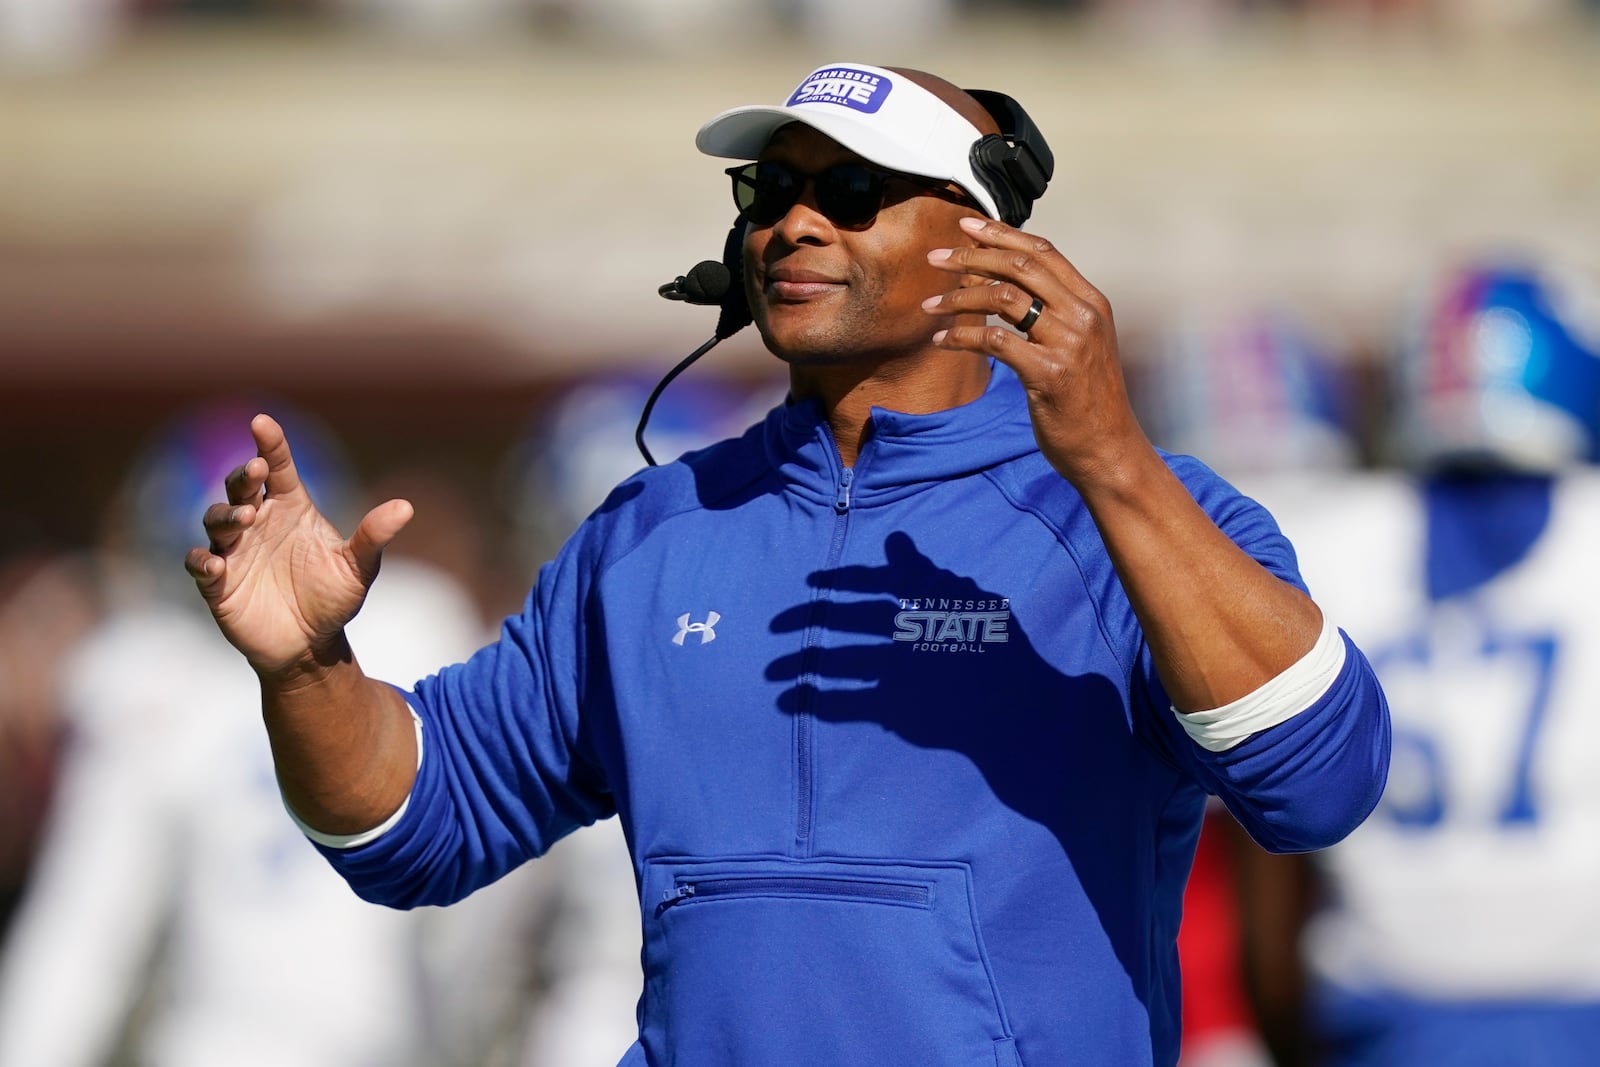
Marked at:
<point>377,528</point>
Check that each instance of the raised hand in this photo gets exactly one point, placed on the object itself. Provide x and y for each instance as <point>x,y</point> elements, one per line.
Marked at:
<point>1219,624</point>
<point>280,580</point>
<point>1066,356</point>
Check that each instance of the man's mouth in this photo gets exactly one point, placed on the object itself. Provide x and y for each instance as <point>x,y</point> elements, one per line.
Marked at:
<point>786,283</point>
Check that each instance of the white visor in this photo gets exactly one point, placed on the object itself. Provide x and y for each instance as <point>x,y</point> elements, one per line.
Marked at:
<point>879,115</point>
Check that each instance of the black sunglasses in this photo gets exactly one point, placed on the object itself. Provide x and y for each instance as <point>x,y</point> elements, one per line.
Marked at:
<point>849,194</point>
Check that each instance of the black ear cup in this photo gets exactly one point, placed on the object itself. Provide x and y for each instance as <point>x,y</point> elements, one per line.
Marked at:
<point>1016,164</point>
<point>735,314</point>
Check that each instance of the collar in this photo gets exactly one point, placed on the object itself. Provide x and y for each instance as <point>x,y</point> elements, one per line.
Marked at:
<point>902,452</point>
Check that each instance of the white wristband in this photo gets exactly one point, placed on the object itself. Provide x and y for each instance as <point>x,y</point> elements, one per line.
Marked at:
<point>1278,701</point>
<point>365,836</point>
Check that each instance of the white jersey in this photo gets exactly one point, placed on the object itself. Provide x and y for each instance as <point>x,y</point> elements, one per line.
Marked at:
<point>1478,875</point>
<point>168,833</point>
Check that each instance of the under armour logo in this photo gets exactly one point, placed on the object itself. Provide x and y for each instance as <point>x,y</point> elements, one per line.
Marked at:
<point>706,630</point>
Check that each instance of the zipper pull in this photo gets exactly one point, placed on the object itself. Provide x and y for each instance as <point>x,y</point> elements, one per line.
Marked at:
<point>675,896</point>
<point>842,502</point>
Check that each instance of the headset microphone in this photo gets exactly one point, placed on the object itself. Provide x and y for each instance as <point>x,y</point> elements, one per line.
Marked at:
<point>706,283</point>
<point>709,283</point>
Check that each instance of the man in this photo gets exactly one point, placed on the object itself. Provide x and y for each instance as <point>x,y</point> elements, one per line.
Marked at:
<point>882,691</point>
<point>1458,925</point>
<point>173,917</point>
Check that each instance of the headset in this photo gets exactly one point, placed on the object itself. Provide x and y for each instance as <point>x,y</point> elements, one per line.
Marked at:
<point>1014,165</point>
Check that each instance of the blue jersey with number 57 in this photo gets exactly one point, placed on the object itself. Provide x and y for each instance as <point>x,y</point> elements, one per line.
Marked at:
<point>1462,923</point>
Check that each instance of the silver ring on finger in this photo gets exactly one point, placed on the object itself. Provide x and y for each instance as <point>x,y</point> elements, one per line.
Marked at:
<point>1035,309</point>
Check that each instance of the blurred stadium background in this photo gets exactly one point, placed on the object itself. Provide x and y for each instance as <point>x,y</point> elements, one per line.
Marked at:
<point>426,221</point>
<point>416,218</point>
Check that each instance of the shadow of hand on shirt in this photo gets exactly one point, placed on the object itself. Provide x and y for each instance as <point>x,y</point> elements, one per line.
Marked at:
<point>944,664</point>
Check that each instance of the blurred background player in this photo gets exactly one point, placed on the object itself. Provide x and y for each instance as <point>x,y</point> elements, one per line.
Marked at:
<point>1458,925</point>
<point>1255,389</point>
<point>47,603</point>
<point>1267,399</point>
<point>174,908</point>
<point>174,915</point>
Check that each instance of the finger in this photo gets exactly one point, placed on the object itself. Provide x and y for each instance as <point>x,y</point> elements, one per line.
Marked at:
<point>1001,267</point>
<point>282,478</point>
<point>207,570</point>
<point>996,235</point>
<point>243,483</point>
<point>224,523</point>
<point>1010,348</point>
<point>377,528</point>
<point>1006,299</point>
<point>1014,281</point>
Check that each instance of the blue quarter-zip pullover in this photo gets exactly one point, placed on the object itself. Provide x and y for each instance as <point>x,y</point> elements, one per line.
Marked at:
<point>898,776</point>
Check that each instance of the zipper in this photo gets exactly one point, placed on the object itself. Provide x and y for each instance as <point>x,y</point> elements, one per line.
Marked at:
<point>803,885</point>
<point>804,719</point>
<point>804,772</point>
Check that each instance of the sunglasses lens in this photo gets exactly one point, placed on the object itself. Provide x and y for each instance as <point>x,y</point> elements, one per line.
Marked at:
<point>849,194</point>
<point>764,192</point>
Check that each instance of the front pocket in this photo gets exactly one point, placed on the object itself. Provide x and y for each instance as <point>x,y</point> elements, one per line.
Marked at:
<point>689,890</point>
<point>774,962</point>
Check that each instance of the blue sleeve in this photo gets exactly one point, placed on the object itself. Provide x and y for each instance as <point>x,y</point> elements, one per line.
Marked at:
<point>1307,782</point>
<point>503,773</point>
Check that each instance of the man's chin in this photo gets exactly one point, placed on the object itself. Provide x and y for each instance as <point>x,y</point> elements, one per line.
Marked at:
<point>813,357</point>
<point>795,341</point>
